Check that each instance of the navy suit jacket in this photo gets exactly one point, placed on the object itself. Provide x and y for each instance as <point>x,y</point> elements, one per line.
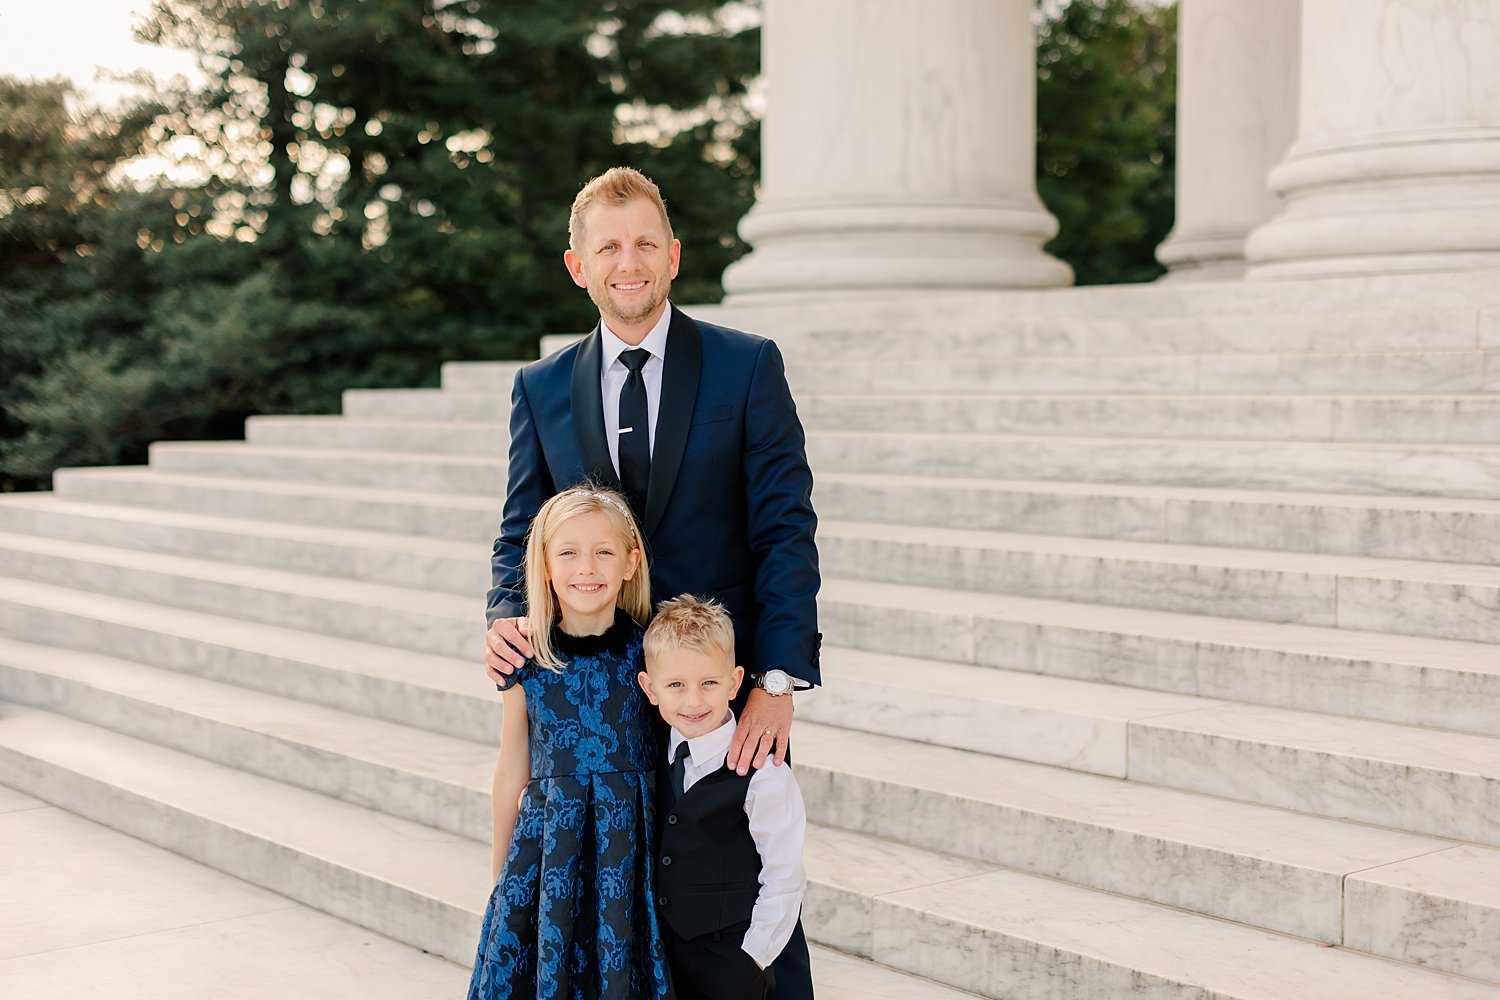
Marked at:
<point>728,507</point>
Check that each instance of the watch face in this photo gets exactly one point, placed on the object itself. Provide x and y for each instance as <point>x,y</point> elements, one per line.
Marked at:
<point>776,682</point>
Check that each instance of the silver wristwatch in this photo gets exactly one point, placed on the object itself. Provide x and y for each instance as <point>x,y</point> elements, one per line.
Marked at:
<point>774,682</point>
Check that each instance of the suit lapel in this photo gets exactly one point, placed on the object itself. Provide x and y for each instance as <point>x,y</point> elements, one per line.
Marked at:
<point>674,415</point>
<point>588,413</point>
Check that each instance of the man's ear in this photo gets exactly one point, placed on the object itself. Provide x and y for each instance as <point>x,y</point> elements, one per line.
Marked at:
<point>574,264</point>
<point>674,257</point>
<point>734,685</point>
<point>644,680</point>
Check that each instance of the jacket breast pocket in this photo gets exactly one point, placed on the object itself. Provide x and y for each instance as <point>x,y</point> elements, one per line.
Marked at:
<point>712,415</point>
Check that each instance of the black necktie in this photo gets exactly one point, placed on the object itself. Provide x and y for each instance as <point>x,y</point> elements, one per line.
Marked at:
<point>679,771</point>
<point>635,430</point>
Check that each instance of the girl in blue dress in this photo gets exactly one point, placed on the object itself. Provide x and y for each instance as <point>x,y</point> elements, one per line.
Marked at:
<point>571,915</point>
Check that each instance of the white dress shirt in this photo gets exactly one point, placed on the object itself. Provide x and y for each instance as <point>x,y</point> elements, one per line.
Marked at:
<point>778,823</point>
<point>613,373</point>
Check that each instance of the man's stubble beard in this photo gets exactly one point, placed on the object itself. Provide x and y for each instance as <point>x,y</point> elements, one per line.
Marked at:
<point>611,310</point>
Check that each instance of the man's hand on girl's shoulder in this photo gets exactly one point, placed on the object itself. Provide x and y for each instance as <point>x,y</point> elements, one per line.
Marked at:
<point>506,647</point>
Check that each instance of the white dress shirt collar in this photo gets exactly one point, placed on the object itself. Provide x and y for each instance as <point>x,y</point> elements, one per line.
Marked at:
<point>655,340</point>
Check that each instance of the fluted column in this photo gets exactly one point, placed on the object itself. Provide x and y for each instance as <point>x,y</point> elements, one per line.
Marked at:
<point>1396,165</point>
<point>1236,116</point>
<point>899,150</point>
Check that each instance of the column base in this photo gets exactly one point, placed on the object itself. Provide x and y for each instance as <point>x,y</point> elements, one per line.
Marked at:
<point>803,249</point>
<point>1383,210</point>
<point>1209,256</point>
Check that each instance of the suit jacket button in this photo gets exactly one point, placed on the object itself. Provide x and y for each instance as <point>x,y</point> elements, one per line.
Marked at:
<point>661,900</point>
<point>672,820</point>
<point>666,861</point>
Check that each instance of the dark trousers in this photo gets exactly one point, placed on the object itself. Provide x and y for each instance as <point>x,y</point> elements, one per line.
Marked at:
<point>792,979</point>
<point>715,967</point>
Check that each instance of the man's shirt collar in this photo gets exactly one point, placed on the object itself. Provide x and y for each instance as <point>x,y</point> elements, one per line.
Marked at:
<point>655,341</point>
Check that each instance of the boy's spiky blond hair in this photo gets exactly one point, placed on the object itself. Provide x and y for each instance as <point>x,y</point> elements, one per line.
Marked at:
<point>689,622</point>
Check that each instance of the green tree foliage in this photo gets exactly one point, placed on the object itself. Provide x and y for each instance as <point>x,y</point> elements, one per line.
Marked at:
<point>380,186</point>
<point>419,156</point>
<point>1106,133</point>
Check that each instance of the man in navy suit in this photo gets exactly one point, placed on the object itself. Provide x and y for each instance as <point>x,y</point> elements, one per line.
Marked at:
<point>696,425</point>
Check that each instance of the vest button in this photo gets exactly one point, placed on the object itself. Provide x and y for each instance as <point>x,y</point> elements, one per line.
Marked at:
<point>672,820</point>
<point>661,900</point>
<point>666,861</point>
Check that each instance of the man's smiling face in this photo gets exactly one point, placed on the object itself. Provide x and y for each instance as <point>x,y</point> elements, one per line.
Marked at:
<point>626,260</point>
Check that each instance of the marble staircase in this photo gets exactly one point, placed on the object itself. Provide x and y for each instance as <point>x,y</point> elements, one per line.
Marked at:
<point>1162,644</point>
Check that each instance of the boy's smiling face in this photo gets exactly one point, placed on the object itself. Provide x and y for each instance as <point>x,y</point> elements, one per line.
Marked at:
<point>692,688</point>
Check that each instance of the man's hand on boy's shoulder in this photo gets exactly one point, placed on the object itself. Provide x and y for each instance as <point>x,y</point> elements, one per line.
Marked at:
<point>506,647</point>
<point>765,726</point>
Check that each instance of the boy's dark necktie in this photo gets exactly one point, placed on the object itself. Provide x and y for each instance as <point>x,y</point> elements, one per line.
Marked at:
<point>679,770</point>
<point>635,430</point>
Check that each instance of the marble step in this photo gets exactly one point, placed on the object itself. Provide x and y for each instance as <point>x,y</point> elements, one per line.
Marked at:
<point>439,624</point>
<point>1050,331</point>
<point>1408,679</point>
<point>1437,529</point>
<point>440,694</point>
<point>439,515</point>
<point>481,376</point>
<point>174,929</point>
<point>1062,722</point>
<point>1171,839</point>
<point>1405,421</point>
<point>1340,373</point>
<point>420,620</point>
<point>91,912</point>
<point>1356,369</point>
<point>433,779</point>
<point>1459,470</point>
<point>398,560</point>
<point>470,439</point>
<point>1259,866</point>
<point>1379,675</point>
<point>428,405</point>
<point>418,472</point>
<point>412,883</point>
<point>1473,419</point>
<point>1429,781</point>
<point>1442,529</point>
<point>1438,599</point>
<point>1004,934</point>
<point>1445,600</point>
<point>391,417</point>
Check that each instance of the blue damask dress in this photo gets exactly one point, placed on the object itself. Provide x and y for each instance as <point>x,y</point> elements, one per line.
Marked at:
<point>571,917</point>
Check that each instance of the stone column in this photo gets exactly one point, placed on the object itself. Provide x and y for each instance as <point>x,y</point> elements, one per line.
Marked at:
<point>1396,165</point>
<point>1236,116</point>
<point>899,151</point>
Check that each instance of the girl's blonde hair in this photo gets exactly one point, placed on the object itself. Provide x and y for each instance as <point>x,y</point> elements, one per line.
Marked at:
<point>542,609</point>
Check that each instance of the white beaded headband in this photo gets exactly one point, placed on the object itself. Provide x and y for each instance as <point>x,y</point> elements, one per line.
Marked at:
<point>603,497</point>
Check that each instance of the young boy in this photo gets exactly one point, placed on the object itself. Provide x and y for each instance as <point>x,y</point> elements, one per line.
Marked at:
<point>729,876</point>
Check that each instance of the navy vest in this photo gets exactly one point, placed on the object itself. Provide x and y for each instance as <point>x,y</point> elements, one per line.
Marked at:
<point>707,865</point>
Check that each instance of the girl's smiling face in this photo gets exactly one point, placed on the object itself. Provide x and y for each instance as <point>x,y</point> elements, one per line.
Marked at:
<point>587,563</point>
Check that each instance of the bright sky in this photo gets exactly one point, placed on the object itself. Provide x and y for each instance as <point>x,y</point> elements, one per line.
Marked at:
<point>77,38</point>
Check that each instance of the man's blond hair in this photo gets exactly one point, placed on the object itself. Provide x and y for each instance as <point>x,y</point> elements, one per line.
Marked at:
<point>689,622</point>
<point>616,186</point>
